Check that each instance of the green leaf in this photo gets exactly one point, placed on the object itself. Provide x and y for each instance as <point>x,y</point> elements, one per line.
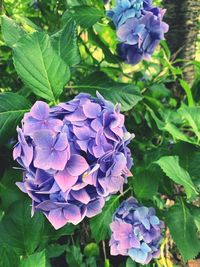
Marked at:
<point>85,16</point>
<point>11,32</point>
<point>100,224</point>
<point>95,39</point>
<point>170,166</point>
<point>170,128</point>
<point>20,231</point>
<point>55,250</point>
<point>39,66</point>
<point>188,92</point>
<point>91,250</point>
<point>183,231</point>
<point>9,192</point>
<point>130,263</point>
<point>122,93</point>
<point>74,257</point>
<point>8,257</point>
<point>192,116</point>
<point>145,183</point>
<point>195,212</point>
<point>37,259</point>
<point>65,43</point>
<point>12,108</point>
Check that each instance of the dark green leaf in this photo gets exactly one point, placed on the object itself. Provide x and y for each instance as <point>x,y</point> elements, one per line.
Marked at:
<point>8,257</point>
<point>183,231</point>
<point>145,183</point>
<point>74,257</point>
<point>20,231</point>
<point>130,263</point>
<point>9,192</point>
<point>12,108</point>
<point>39,66</point>
<point>170,166</point>
<point>100,224</point>
<point>55,250</point>
<point>122,93</point>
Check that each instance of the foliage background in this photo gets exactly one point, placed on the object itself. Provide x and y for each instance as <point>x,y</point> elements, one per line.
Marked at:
<point>166,123</point>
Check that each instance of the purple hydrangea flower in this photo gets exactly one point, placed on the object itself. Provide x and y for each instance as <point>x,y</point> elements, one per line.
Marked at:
<point>74,156</point>
<point>136,232</point>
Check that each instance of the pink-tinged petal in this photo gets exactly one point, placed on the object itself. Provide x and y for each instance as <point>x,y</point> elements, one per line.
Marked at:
<point>41,160</point>
<point>58,160</point>
<point>95,207</point>
<point>72,214</point>
<point>44,138</point>
<point>78,186</point>
<point>17,151</point>
<point>21,187</point>
<point>134,242</point>
<point>91,110</point>
<point>27,155</point>
<point>65,180</point>
<point>50,159</point>
<point>61,142</point>
<point>96,125</point>
<point>115,226</point>
<point>114,249</point>
<point>77,165</point>
<point>68,106</point>
<point>57,218</point>
<point>40,110</point>
<point>77,115</point>
<point>83,144</point>
<point>83,132</point>
<point>54,124</point>
<point>46,206</point>
<point>81,195</point>
<point>125,243</point>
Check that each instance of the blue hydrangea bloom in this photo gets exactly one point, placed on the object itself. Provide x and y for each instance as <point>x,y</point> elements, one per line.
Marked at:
<point>140,37</point>
<point>136,232</point>
<point>125,9</point>
<point>140,28</point>
<point>74,156</point>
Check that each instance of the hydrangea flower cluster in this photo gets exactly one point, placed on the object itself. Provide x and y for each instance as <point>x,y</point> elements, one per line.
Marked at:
<point>140,28</point>
<point>74,156</point>
<point>136,232</point>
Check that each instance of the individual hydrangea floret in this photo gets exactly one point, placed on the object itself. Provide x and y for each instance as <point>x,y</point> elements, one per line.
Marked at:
<point>139,32</point>
<point>74,156</point>
<point>136,232</point>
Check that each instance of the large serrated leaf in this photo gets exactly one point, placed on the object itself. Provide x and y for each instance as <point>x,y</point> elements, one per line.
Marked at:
<point>125,94</point>
<point>39,66</point>
<point>183,231</point>
<point>170,166</point>
<point>100,224</point>
<point>12,108</point>
<point>65,43</point>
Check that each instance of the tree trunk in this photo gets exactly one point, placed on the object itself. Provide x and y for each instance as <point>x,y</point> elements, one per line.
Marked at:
<point>182,16</point>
